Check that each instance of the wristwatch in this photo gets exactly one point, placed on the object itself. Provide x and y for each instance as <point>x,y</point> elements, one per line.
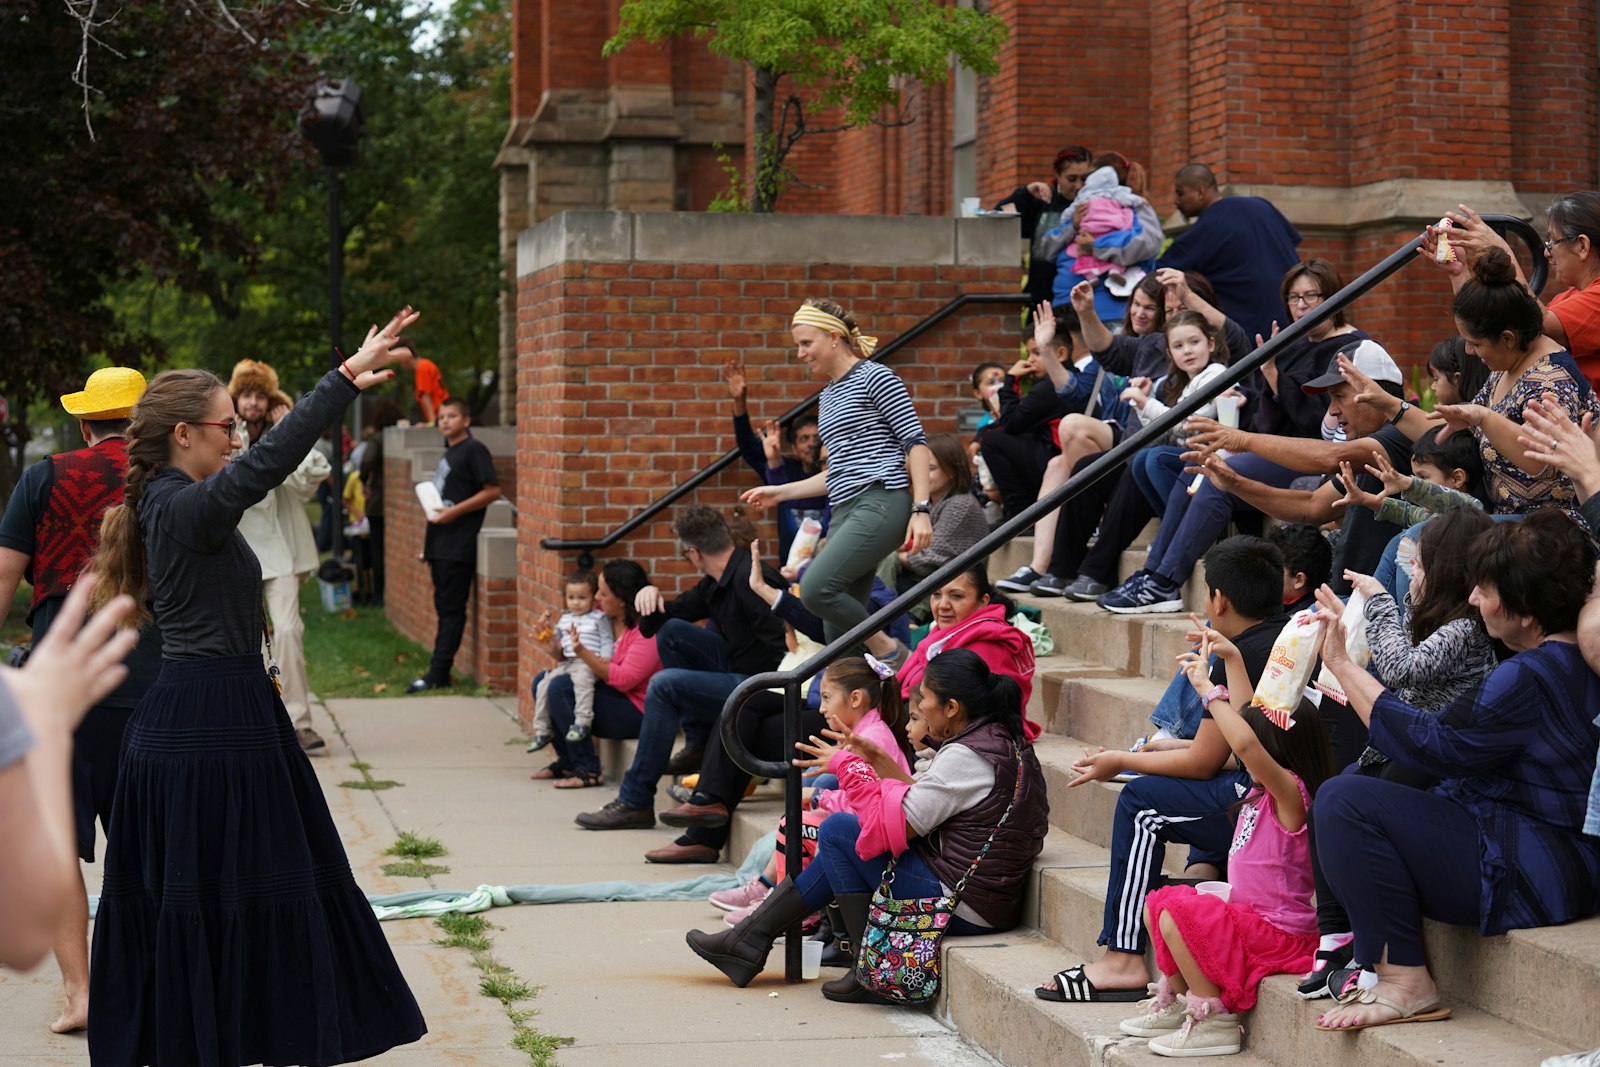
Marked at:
<point>1405,406</point>
<point>922,507</point>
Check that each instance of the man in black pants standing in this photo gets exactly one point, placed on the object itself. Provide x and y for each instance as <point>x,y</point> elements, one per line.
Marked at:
<point>467,484</point>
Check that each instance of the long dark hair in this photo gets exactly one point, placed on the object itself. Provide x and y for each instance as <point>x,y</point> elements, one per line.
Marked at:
<point>1157,293</point>
<point>854,672</point>
<point>1177,379</point>
<point>625,578</point>
<point>960,674</point>
<point>1445,547</point>
<point>1303,748</point>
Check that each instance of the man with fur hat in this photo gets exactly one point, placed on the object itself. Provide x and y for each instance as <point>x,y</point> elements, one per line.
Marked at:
<point>48,534</point>
<point>279,533</point>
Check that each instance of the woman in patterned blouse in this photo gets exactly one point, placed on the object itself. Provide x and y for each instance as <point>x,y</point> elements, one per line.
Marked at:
<point>1503,325</point>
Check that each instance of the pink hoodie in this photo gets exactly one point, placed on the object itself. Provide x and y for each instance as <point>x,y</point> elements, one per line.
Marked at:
<point>878,803</point>
<point>1006,649</point>
<point>872,727</point>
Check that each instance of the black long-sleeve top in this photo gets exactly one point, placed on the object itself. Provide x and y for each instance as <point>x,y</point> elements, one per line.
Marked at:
<point>754,635</point>
<point>205,583</point>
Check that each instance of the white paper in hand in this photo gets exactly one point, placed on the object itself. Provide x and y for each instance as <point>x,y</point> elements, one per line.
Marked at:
<point>429,498</point>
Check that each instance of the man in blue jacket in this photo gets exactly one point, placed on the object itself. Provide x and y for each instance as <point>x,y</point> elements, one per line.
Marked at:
<point>1242,244</point>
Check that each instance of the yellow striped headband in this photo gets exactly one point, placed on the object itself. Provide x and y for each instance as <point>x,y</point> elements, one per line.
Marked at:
<point>815,316</point>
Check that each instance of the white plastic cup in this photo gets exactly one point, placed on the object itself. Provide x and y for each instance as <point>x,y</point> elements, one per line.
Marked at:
<point>810,960</point>
<point>1213,889</point>
<point>1228,411</point>
<point>969,207</point>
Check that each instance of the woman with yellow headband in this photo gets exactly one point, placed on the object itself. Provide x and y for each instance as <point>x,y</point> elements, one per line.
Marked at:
<point>877,473</point>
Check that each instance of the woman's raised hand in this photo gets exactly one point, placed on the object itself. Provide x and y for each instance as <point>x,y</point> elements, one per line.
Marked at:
<point>763,496</point>
<point>1550,436</point>
<point>1083,298</point>
<point>1458,418</point>
<point>1365,584</point>
<point>1331,610</point>
<point>377,351</point>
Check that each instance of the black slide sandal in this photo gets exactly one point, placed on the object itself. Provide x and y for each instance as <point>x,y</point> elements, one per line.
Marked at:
<point>1074,987</point>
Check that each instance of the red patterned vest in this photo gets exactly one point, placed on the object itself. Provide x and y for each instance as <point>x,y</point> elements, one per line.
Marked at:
<point>85,484</point>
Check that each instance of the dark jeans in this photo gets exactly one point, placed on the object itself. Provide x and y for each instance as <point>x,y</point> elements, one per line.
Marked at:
<point>614,716</point>
<point>1395,855</point>
<point>1155,469</point>
<point>1331,915</point>
<point>760,728</point>
<point>1120,511</point>
<point>688,691</point>
<point>1017,462</point>
<point>452,588</point>
<point>837,869</point>
<point>1152,811</point>
<point>1192,524</point>
<point>375,548</point>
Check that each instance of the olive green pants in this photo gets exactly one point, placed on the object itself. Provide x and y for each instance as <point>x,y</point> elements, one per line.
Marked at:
<point>863,530</point>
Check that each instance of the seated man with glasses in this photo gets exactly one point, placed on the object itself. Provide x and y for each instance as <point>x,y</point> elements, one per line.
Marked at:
<point>700,665</point>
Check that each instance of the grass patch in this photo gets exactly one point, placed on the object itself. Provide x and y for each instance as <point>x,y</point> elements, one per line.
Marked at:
<point>414,869</point>
<point>360,765</point>
<point>370,784</point>
<point>499,982</point>
<point>506,988</point>
<point>416,847</point>
<point>356,653</point>
<point>464,931</point>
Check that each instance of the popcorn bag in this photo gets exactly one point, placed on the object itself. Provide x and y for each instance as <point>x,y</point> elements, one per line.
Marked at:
<point>805,541</point>
<point>1288,669</point>
<point>1355,646</point>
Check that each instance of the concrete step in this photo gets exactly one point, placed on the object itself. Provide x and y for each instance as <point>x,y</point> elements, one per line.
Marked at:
<point>1131,645</point>
<point>989,998</point>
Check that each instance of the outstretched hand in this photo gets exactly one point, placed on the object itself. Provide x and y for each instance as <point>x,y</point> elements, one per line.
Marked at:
<point>1354,495</point>
<point>733,374</point>
<point>1044,325</point>
<point>1550,436</point>
<point>377,351</point>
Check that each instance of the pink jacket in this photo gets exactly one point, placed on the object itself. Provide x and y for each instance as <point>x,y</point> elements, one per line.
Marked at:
<point>879,804</point>
<point>872,727</point>
<point>1103,216</point>
<point>633,663</point>
<point>1006,649</point>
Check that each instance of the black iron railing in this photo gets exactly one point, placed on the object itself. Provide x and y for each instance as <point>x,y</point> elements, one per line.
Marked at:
<point>587,545</point>
<point>792,681</point>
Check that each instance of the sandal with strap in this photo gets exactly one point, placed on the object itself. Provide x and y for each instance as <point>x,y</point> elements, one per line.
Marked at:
<point>583,780</point>
<point>1429,1012</point>
<point>554,770</point>
<point>1073,987</point>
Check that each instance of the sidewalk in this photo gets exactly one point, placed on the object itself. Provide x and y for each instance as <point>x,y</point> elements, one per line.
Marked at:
<point>616,978</point>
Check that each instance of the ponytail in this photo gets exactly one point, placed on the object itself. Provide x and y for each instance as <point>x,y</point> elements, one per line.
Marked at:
<point>172,397</point>
<point>960,674</point>
<point>855,673</point>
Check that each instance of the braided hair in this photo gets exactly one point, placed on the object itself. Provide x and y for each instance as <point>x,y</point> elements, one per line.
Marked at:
<point>172,397</point>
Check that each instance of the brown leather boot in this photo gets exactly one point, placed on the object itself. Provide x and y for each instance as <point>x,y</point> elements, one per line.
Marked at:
<point>741,951</point>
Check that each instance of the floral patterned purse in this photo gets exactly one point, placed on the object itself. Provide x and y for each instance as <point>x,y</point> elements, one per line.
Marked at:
<point>899,957</point>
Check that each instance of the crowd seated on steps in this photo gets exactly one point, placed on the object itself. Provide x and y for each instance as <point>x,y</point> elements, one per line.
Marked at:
<point>1461,527</point>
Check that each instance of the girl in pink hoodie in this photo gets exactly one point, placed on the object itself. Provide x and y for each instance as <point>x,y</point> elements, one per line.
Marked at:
<point>859,696</point>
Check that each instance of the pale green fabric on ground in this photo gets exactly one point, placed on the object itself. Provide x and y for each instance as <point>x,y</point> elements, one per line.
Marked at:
<point>429,903</point>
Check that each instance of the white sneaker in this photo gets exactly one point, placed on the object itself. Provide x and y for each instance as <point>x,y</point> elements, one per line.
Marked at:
<point>1574,1059</point>
<point>1153,1021</point>
<point>1215,1035</point>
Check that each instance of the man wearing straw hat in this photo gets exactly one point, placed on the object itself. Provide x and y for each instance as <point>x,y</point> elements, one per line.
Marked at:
<point>48,534</point>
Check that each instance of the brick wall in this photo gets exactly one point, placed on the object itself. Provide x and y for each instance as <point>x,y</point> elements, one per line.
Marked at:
<point>625,322</point>
<point>488,650</point>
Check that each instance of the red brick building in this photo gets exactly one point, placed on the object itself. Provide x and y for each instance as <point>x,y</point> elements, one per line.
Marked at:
<point>1361,120</point>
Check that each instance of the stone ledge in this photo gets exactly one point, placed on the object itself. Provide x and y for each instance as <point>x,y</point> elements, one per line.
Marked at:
<point>698,237</point>
<point>1395,202</point>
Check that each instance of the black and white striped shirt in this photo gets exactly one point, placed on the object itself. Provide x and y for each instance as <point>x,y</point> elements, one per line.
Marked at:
<point>868,424</point>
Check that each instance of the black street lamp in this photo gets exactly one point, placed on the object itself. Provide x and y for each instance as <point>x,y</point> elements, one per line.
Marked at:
<point>332,122</point>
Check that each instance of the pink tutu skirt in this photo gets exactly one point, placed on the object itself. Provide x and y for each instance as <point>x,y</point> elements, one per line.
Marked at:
<point>1234,947</point>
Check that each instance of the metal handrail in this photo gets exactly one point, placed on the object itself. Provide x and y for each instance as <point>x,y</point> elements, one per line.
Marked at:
<point>793,679</point>
<point>650,511</point>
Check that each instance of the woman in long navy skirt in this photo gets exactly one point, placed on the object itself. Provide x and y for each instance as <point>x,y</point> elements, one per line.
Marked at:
<point>230,930</point>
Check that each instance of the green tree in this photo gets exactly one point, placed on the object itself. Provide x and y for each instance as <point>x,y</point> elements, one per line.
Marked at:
<point>419,211</point>
<point>852,53</point>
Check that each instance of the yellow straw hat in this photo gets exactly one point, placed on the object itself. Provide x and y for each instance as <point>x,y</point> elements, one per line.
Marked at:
<point>110,393</point>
